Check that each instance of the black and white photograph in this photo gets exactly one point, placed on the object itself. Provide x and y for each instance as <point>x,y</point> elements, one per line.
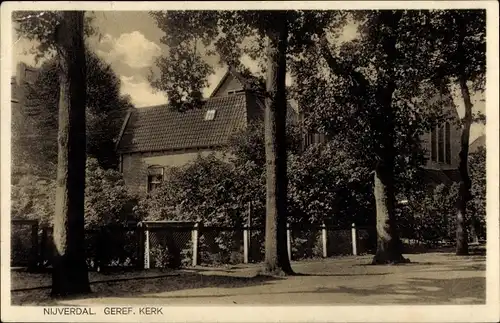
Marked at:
<point>258,159</point>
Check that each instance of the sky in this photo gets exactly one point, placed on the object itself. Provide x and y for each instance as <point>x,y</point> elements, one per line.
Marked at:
<point>130,42</point>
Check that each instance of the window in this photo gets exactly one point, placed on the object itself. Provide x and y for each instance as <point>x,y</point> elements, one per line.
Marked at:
<point>309,140</point>
<point>155,177</point>
<point>433,145</point>
<point>314,138</point>
<point>448,142</point>
<point>210,115</point>
<point>234,92</point>
<point>441,144</point>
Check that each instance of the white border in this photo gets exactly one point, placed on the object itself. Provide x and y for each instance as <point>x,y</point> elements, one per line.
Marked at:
<point>466,313</point>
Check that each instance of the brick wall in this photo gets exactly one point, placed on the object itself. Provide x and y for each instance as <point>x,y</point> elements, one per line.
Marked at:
<point>135,165</point>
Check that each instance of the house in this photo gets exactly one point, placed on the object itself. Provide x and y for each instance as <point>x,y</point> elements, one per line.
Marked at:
<point>157,137</point>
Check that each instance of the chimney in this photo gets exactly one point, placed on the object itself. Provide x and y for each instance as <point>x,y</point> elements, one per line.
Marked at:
<point>20,73</point>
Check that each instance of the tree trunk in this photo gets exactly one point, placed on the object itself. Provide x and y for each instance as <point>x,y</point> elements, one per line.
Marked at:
<point>276,253</point>
<point>464,194</point>
<point>69,275</point>
<point>389,247</point>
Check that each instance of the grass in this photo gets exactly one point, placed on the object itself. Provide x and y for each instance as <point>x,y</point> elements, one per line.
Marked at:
<point>433,278</point>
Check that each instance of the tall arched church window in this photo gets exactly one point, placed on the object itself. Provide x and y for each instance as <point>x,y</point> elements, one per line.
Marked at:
<point>441,144</point>
<point>448,142</point>
<point>434,144</point>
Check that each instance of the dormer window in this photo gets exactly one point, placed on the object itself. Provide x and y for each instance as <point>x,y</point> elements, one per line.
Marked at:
<point>210,115</point>
<point>234,92</point>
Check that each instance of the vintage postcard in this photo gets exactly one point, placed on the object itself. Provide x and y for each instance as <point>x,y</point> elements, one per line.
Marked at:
<point>316,161</point>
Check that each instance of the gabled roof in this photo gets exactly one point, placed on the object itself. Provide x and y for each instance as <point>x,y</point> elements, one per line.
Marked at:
<point>248,82</point>
<point>479,142</point>
<point>161,128</point>
<point>440,176</point>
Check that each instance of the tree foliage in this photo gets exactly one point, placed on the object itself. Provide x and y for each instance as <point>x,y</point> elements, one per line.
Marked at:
<point>377,92</point>
<point>477,209</point>
<point>226,32</point>
<point>42,27</point>
<point>226,36</point>
<point>106,109</point>
<point>428,218</point>
<point>33,198</point>
<point>461,52</point>
<point>107,199</point>
<point>459,39</point>
<point>328,185</point>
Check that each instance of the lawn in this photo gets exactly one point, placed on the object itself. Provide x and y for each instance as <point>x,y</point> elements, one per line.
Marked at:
<point>431,278</point>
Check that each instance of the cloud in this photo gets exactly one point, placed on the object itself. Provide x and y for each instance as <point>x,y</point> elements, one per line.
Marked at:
<point>23,51</point>
<point>132,49</point>
<point>141,92</point>
<point>349,32</point>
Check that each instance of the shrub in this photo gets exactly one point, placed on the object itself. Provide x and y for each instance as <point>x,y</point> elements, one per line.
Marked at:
<point>107,199</point>
<point>108,205</point>
<point>327,185</point>
<point>477,206</point>
<point>429,218</point>
<point>33,198</point>
<point>208,189</point>
<point>306,244</point>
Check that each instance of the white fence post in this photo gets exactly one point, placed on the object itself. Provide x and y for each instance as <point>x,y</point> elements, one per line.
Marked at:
<point>354,240</point>
<point>194,239</point>
<point>324,240</point>
<point>288,241</point>
<point>245,244</point>
<point>146,248</point>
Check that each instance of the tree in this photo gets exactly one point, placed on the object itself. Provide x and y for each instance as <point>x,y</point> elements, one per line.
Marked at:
<point>64,33</point>
<point>267,36</point>
<point>461,49</point>
<point>276,255</point>
<point>69,273</point>
<point>375,92</point>
<point>105,112</point>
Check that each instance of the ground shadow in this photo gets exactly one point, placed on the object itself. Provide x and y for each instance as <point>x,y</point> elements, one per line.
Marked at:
<point>424,290</point>
<point>412,263</point>
<point>338,275</point>
<point>236,270</point>
<point>473,250</point>
<point>138,287</point>
<point>415,291</point>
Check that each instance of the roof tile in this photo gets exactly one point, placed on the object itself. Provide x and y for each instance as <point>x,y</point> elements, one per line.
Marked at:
<point>161,128</point>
